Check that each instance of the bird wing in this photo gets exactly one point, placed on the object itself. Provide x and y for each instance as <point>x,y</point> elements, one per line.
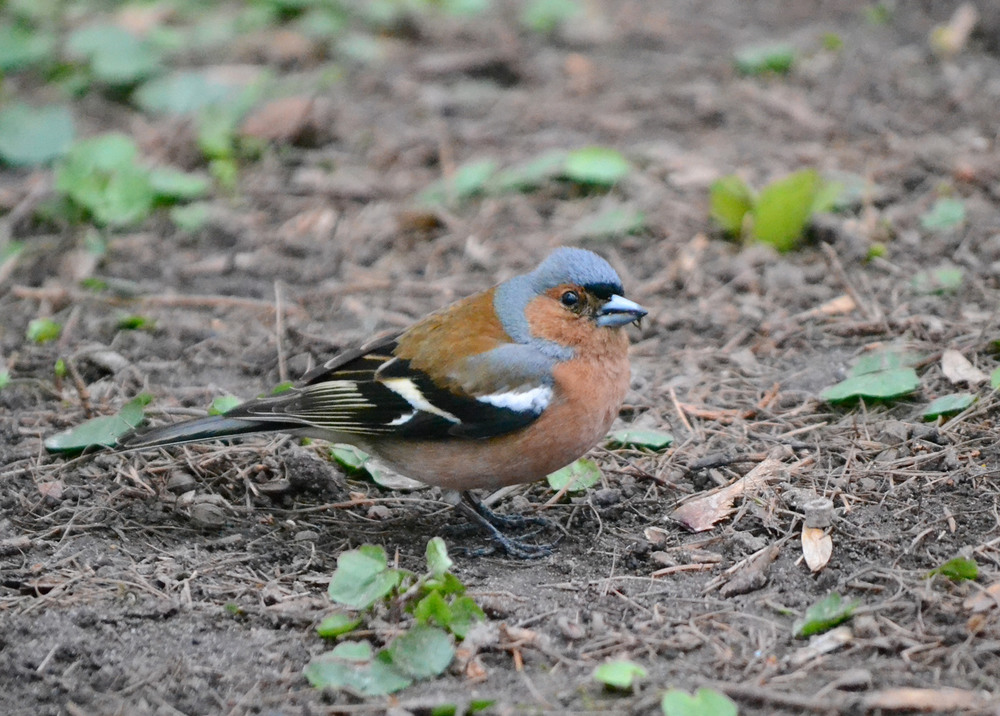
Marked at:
<point>372,391</point>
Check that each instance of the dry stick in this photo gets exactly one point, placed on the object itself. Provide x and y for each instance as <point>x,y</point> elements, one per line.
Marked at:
<point>871,313</point>
<point>279,330</point>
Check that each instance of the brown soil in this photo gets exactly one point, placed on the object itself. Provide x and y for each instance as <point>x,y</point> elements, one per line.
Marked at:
<point>118,574</point>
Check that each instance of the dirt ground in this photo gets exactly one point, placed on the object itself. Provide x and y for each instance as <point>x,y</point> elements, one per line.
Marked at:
<point>123,593</point>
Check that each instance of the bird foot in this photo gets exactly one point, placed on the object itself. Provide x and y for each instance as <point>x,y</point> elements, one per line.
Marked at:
<point>492,523</point>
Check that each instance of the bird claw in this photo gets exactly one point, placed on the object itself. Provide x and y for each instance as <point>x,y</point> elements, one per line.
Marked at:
<point>490,521</point>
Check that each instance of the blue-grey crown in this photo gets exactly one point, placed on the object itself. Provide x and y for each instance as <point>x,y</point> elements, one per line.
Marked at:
<point>579,266</point>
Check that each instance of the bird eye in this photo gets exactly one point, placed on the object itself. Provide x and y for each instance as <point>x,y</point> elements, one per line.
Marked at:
<point>570,298</point>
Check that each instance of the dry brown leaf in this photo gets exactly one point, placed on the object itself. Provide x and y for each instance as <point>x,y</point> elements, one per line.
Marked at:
<point>958,369</point>
<point>822,644</point>
<point>928,700</point>
<point>704,511</point>
<point>52,489</point>
<point>985,600</point>
<point>837,306</point>
<point>281,120</point>
<point>817,547</point>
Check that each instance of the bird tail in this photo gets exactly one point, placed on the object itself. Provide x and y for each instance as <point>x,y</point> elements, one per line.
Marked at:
<point>190,431</point>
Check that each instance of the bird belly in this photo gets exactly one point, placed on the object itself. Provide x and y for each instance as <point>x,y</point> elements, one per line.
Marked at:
<point>575,421</point>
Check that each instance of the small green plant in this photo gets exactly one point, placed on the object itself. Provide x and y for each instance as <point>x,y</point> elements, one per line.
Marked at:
<point>772,58</point>
<point>946,405</point>
<point>29,136</point>
<point>779,214</point>
<point>223,404</point>
<point>958,569</point>
<point>102,176</point>
<point>100,432</point>
<point>578,476</point>
<point>940,280</point>
<point>113,55</point>
<point>545,16</point>
<point>435,602</point>
<point>640,438</point>
<point>43,330</point>
<point>620,674</point>
<point>824,615</point>
<point>705,702</point>
<point>883,376</point>
<point>946,214</point>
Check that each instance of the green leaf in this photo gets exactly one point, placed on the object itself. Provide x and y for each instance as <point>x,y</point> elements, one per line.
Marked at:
<point>4,378</point>
<point>173,184</point>
<point>730,200</point>
<point>59,369</point>
<point>182,93</point>
<point>777,57</point>
<point>223,404</point>
<point>544,16</point>
<point>101,176</point>
<point>637,437</point>
<point>100,432</point>
<point>940,280</point>
<point>115,55</point>
<point>531,174</point>
<point>600,166</point>
<point>433,609</point>
<point>948,405</point>
<point>783,208</point>
<point>705,702</point>
<point>362,577</point>
<point>958,569</point>
<point>29,137</point>
<point>616,221</point>
<point>464,613</point>
<point>136,323</point>
<point>20,47</point>
<point>191,217</point>
<point>824,615</point>
<point>944,215</point>
<point>337,624</point>
<point>578,475</point>
<point>468,180</point>
<point>438,561</point>
<point>43,330</point>
<point>422,652</point>
<point>995,378</point>
<point>829,197</point>
<point>890,359</point>
<point>350,666</point>
<point>349,457</point>
<point>619,674</point>
<point>882,385</point>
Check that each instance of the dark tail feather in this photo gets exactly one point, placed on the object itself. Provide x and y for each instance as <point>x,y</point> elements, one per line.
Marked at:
<point>198,430</point>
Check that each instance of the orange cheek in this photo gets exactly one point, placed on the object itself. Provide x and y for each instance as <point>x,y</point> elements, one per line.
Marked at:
<point>550,321</point>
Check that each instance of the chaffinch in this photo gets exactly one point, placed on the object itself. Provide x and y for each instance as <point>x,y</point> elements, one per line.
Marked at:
<point>502,387</point>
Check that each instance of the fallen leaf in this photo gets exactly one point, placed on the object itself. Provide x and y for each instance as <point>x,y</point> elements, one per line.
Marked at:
<point>52,489</point>
<point>281,120</point>
<point>985,600</point>
<point>958,369</point>
<point>817,547</point>
<point>704,511</point>
<point>838,305</point>
<point>821,644</point>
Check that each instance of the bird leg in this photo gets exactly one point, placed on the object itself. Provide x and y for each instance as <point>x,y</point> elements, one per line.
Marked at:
<point>492,522</point>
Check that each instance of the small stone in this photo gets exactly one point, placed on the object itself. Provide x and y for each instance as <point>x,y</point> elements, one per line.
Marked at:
<point>819,512</point>
<point>208,515</point>
<point>306,536</point>
<point>606,497</point>
<point>180,482</point>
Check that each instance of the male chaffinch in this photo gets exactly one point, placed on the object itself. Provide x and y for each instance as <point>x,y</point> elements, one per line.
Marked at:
<point>502,387</point>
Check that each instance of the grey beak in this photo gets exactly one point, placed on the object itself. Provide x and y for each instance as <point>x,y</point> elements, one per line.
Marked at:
<point>619,311</point>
